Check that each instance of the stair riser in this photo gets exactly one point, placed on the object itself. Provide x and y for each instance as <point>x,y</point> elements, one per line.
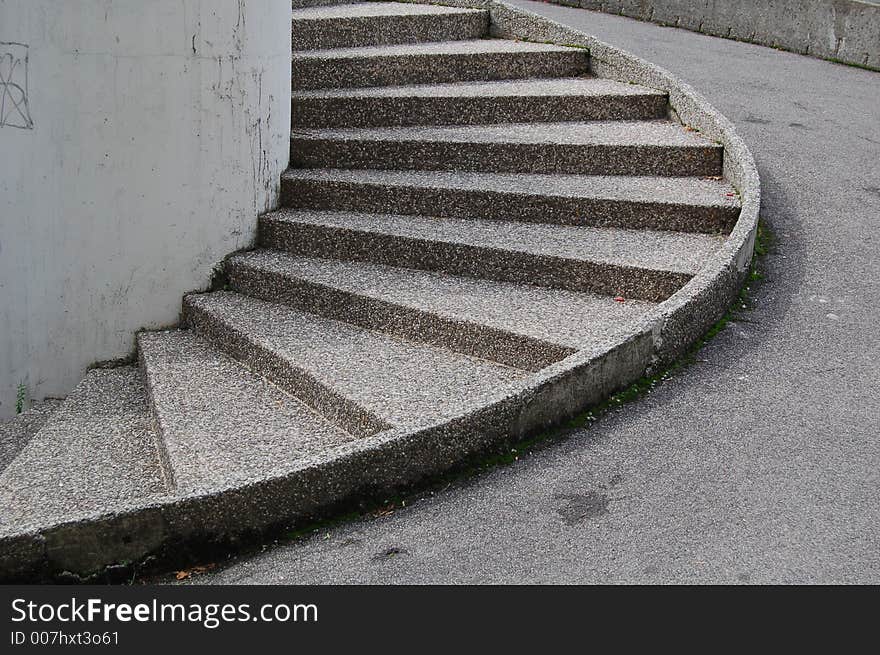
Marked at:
<point>409,111</point>
<point>361,72</point>
<point>494,205</point>
<point>337,409</point>
<point>471,261</point>
<point>460,336</point>
<point>506,158</point>
<point>363,31</point>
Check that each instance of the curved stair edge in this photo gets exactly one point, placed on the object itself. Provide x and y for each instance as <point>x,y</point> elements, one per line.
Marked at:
<point>389,460</point>
<point>682,319</point>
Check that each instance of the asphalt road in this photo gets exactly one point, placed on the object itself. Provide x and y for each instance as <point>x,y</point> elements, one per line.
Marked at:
<point>759,463</point>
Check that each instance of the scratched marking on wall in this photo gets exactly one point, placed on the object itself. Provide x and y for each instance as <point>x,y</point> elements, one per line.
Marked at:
<point>14,109</point>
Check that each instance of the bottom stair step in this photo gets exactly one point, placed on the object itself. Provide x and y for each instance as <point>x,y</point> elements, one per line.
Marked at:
<point>324,362</point>
<point>97,453</point>
<point>222,425</point>
<point>16,432</point>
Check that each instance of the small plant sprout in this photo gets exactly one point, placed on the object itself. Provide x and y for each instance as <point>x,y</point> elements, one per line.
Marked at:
<point>20,397</point>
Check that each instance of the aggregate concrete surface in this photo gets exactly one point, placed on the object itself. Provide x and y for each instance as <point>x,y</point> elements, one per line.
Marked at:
<point>401,382</point>
<point>438,62</point>
<point>674,251</point>
<point>16,432</point>
<point>550,315</point>
<point>759,462</point>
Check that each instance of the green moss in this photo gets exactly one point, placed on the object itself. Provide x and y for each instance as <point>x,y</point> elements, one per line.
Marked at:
<point>834,60</point>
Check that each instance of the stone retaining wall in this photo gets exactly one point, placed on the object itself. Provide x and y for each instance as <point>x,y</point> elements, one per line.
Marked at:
<point>842,30</point>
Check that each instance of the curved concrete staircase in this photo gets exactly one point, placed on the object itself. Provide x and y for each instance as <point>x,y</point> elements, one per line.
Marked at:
<point>474,234</point>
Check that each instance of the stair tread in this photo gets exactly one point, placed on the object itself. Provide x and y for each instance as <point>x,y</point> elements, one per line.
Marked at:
<point>96,453</point>
<point>433,48</point>
<point>403,383</point>
<point>432,61</point>
<point>668,251</point>
<point>612,133</point>
<point>305,4</point>
<point>689,191</point>
<point>221,424</point>
<point>561,86</point>
<point>17,431</point>
<point>377,23</point>
<point>370,9</point>
<point>553,315</point>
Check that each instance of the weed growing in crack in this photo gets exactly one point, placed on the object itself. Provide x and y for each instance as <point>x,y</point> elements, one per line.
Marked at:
<point>20,397</point>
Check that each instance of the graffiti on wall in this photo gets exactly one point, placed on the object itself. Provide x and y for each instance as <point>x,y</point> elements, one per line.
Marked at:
<point>14,109</point>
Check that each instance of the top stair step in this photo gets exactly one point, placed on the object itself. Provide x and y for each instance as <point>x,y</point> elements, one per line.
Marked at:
<point>383,23</point>
<point>306,4</point>
<point>435,63</point>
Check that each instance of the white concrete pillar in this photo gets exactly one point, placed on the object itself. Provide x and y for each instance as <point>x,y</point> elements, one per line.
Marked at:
<point>139,141</point>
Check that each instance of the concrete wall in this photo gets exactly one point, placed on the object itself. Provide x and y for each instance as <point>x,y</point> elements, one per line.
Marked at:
<point>846,30</point>
<point>151,136</point>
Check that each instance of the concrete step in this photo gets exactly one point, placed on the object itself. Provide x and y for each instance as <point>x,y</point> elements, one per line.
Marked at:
<point>659,148</point>
<point>635,264</point>
<point>304,4</point>
<point>434,63</point>
<point>16,432</point>
<point>635,202</point>
<point>96,453</point>
<point>382,23</point>
<point>523,326</point>
<point>402,383</point>
<point>222,425</point>
<point>478,103</point>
